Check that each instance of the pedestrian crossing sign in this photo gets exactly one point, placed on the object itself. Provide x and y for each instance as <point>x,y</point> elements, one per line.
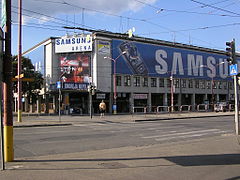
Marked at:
<point>58,85</point>
<point>233,70</point>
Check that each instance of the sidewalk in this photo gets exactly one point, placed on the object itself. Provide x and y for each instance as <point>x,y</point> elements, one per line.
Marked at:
<point>54,120</point>
<point>212,158</point>
<point>209,158</point>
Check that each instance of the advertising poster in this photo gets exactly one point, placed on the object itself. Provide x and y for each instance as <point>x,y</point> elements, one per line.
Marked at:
<point>163,61</point>
<point>104,47</point>
<point>75,67</point>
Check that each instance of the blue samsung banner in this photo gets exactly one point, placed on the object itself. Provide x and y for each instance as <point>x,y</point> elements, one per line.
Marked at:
<point>162,61</point>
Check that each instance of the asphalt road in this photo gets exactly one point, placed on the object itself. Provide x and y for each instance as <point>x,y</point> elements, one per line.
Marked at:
<point>38,141</point>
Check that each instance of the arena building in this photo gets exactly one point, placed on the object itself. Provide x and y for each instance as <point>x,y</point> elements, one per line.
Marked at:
<point>132,73</point>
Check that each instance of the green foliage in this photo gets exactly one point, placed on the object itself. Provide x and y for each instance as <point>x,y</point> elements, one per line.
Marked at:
<point>28,71</point>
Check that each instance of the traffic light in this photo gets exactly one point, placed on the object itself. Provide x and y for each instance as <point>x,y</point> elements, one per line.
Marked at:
<point>91,89</point>
<point>230,52</point>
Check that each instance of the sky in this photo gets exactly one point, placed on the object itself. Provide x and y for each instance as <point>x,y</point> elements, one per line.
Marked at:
<point>204,23</point>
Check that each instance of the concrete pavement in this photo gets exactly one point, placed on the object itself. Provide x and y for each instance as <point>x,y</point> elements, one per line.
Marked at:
<point>213,158</point>
<point>209,158</point>
<point>54,120</point>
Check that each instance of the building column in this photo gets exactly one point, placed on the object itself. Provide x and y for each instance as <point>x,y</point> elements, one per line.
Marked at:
<point>217,100</point>
<point>26,104</point>
<point>179,99</point>
<point>165,99</point>
<point>38,104</point>
<point>205,97</point>
<point>55,103</point>
<point>111,103</point>
<point>66,103</point>
<point>193,101</point>
<point>149,102</point>
<point>131,102</point>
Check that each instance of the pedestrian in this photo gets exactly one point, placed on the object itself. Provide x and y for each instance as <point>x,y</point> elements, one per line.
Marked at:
<point>102,108</point>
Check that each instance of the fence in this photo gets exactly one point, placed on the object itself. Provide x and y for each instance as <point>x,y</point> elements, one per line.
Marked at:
<point>183,108</point>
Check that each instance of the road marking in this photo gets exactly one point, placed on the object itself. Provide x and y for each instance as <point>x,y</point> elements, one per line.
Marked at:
<point>191,132</point>
<point>187,136</point>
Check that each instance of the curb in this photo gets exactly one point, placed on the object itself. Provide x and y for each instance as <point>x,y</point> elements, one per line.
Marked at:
<point>41,125</point>
<point>164,119</point>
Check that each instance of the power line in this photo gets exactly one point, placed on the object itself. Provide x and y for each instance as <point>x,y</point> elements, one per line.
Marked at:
<point>185,11</point>
<point>66,3</point>
<point>51,17</point>
<point>201,28</point>
<point>214,7</point>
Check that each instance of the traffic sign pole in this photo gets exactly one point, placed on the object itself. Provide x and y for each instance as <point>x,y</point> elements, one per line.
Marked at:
<point>59,99</point>
<point>236,105</point>
<point>233,68</point>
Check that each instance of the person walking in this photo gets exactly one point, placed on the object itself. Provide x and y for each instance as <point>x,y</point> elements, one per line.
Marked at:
<point>102,108</point>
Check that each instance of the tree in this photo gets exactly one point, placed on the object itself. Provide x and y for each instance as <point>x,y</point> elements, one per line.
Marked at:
<point>29,88</point>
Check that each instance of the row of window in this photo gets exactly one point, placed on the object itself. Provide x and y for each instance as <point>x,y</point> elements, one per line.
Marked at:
<point>139,81</point>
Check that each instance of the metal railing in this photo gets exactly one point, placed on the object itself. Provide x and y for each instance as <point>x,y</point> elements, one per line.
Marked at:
<point>143,108</point>
<point>202,107</point>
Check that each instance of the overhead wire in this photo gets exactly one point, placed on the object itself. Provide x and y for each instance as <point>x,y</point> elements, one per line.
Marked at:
<point>137,19</point>
<point>215,7</point>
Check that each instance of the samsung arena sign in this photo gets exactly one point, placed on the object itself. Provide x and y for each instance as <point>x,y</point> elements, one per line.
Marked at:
<point>73,44</point>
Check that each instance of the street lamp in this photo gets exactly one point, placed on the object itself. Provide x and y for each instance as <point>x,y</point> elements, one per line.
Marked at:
<point>59,86</point>
<point>114,81</point>
<point>172,91</point>
<point>212,83</point>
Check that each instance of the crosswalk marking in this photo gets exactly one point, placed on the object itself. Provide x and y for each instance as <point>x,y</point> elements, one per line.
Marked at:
<point>182,133</point>
<point>187,136</point>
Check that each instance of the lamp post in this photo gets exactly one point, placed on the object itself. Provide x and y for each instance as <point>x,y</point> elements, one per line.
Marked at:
<point>114,81</point>
<point>172,91</point>
<point>59,86</point>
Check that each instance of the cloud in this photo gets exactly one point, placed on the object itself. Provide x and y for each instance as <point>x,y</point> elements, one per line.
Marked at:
<point>65,7</point>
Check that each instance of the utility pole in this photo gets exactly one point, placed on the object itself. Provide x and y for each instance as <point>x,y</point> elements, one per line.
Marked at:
<point>19,61</point>
<point>7,89</point>
<point>1,120</point>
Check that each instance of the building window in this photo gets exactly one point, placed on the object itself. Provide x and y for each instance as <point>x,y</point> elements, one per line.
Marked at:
<point>190,83</point>
<point>176,83</point>
<point>208,84</point>
<point>230,85</point>
<point>168,83</point>
<point>136,81</point>
<point>161,82</point>
<point>220,85</point>
<point>183,83</point>
<point>127,80</point>
<point>197,84</point>
<point>118,80</point>
<point>202,84</point>
<point>225,85</point>
<point>145,82</point>
<point>214,84</point>
<point>153,82</point>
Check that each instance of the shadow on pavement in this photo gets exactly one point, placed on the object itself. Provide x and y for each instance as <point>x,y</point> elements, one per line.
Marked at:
<point>192,160</point>
<point>205,160</point>
<point>234,178</point>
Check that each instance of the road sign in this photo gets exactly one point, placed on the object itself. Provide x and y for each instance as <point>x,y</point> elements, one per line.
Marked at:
<point>24,79</point>
<point>58,84</point>
<point>233,70</point>
<point>20,76</point>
